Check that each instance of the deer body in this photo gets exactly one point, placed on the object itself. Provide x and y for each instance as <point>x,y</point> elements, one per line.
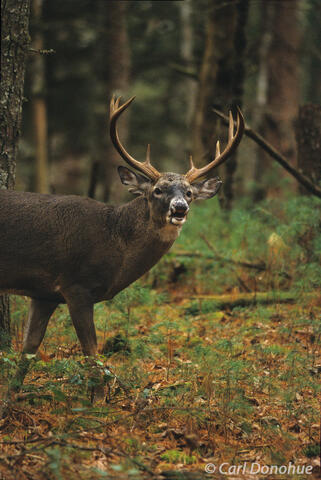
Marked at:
<point>50,243</point>
<point>68,249</point>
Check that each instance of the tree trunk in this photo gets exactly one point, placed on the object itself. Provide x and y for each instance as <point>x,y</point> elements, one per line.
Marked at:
<point>221,80</point>
<point>278,83</point>
<point>189,85</point>
<point>111,68</point>
<point>39,107</point>
<point>265,39</point>
<point>283,78</point>
<point>238,78</point>
<point>14,48</point>
<point>70,28</point>
<point>5,338</point>
<point>308,134</point>
<point>217,56</point>
<point>311,53</point>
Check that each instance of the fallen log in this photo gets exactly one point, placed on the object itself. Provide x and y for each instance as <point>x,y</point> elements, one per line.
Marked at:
<point>221,302</point>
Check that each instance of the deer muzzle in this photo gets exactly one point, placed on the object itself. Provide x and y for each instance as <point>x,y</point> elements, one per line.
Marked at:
<point>178,210</point>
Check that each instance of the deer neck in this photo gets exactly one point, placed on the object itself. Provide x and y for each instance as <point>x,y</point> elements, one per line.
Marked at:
<point>142,241</point>
<point>139,226</point>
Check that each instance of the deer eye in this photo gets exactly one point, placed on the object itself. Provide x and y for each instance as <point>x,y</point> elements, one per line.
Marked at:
<point>189,193</point>
<point>157,191</point>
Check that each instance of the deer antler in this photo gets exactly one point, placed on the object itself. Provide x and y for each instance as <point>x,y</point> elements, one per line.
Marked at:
<point>233,141</point>
<point>144,167</point>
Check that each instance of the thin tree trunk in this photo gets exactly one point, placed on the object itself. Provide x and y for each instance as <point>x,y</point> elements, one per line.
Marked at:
<point>265,40</point>
<point>308,134</point>
<point>238,78</point>
<point>39,107</point>
<point>189,84</point>
<point>71,31</point>
<point>217,57</point>
<point>5,337</point>
<point>311,53</point>
<point>221,81</point>
<point>278,87</point>
<point>111,76</point>
<point>284,78</point>
<point>14,48</point>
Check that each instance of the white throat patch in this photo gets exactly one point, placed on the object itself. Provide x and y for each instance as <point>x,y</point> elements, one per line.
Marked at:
<point>169,232</point>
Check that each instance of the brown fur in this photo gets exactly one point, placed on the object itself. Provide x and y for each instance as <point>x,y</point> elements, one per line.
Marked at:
<point>68,249</point>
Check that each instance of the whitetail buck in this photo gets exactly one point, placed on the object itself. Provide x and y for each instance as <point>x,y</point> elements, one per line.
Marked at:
<point>68,249</point>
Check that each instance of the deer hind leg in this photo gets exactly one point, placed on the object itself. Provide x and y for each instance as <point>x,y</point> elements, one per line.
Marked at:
<point>39,313</point>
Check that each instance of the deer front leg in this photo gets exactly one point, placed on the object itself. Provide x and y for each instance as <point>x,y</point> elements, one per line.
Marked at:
<point>82,316</point>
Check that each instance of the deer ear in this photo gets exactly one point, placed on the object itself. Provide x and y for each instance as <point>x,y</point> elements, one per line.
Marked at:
<point>207,188</point>
<point>137,184</point>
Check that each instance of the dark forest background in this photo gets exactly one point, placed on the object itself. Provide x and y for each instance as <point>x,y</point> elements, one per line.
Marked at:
<point>180,59</point>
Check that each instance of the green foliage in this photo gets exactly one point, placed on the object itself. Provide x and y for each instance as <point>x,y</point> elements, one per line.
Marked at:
<point>54,464</point>
<point>116,344</point>
<point>285,238</point>
<point>175,456</point>
<point>312,450</point>
<point>5,339</point>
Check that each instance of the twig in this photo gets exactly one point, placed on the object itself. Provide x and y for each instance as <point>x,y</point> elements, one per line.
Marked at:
<point>42,51</point>
<point>310,186</point>
<point>138,463</point>
<point>262,267</point>
<point>4,458</point>
<point>183,70</point>
<point>52,442</point>
<point>32,440</point>
<point>186,253</point>
<point>256,266</point>
<point>30,395</point>
<point>76,446</point>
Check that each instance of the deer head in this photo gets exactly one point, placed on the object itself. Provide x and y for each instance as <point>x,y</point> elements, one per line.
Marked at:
<point>169,194</point>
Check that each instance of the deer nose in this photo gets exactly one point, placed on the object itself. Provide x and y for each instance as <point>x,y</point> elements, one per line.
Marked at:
<point>179,206</point>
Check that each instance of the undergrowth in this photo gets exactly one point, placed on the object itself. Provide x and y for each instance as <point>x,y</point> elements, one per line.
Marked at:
<point>283,239</point>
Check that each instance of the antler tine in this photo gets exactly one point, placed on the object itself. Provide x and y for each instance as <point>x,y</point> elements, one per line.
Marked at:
<point>233,141</point>
<point>148,154</point>
<point>218,149</point>
<point>231,126</point>
<point>114,102</point>
<point>144,167</point>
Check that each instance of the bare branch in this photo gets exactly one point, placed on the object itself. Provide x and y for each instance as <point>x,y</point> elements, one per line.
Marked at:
<point>310,186</point>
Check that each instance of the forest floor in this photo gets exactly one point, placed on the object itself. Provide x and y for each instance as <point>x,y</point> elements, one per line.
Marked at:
<point>187,384</point>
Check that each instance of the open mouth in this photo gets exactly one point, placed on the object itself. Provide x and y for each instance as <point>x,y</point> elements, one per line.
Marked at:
<point>177,218</point>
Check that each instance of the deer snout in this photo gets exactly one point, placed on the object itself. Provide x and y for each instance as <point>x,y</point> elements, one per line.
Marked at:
<point>178,209</point>
<point>179,206</point>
